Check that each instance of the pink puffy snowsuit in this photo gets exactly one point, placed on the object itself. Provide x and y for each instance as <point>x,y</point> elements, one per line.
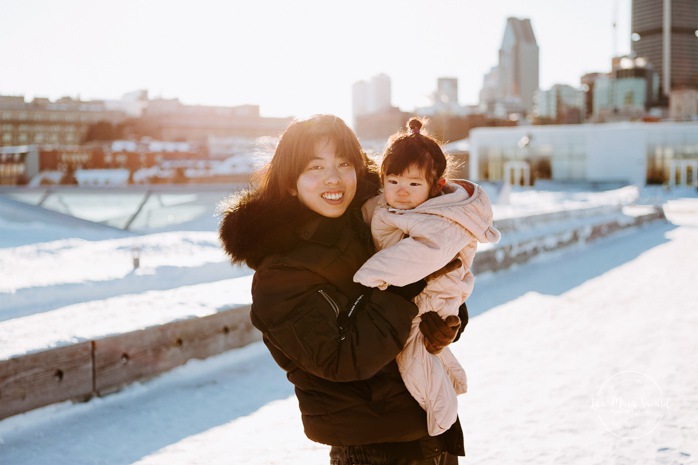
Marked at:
<point>413,244</point>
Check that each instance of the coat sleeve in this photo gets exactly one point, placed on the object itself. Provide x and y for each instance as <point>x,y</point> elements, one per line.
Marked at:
<point>433,242</point>
<point>312,325</point>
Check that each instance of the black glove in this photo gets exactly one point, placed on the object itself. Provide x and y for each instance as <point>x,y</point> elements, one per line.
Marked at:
<point>438,333</point>
<point>409,291</point>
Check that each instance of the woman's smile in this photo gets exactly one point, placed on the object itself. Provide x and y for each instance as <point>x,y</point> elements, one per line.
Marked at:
<point>333,196</point>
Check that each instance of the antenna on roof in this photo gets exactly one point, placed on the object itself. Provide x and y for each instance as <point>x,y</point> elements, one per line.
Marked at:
<point>615,29</point>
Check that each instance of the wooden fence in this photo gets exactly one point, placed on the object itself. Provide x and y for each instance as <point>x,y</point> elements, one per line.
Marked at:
<point>93,368</point>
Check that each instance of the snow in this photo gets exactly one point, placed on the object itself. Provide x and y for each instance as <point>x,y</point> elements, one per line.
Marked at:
<point>580,356</point>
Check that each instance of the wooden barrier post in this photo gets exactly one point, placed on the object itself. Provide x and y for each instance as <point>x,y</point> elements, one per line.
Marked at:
<point>138,355</point>
<point>43,378</point>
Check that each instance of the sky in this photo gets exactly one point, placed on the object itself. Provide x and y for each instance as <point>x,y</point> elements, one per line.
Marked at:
<point>292,58</point>
<point>551,349</point>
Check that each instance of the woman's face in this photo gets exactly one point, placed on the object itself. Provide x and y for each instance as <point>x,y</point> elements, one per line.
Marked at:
<point>327,185</point>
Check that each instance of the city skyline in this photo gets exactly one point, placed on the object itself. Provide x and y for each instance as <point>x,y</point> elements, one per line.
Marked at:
<point>290,59</point>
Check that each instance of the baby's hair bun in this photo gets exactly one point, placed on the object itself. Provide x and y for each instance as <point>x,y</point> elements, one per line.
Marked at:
<point>414,125</point>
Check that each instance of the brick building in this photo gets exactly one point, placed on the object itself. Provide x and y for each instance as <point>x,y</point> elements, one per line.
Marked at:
<point>64,122</point>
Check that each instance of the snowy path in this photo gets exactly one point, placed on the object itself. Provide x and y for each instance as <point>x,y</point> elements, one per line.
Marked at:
<point>551,338</point>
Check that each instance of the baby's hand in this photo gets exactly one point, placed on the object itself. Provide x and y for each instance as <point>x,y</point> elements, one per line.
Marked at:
<point>438,333</point>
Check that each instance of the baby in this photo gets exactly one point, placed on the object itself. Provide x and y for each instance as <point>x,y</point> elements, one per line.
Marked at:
<point>420,224</point>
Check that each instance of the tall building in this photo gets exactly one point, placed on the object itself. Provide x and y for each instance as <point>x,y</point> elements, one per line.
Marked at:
<point>359,99</point>
<point>380,93</point>
<point>444,100</point>
<point>664,31</point>
<point>518,62</point>
<point>489,93</point>
<point>371,97</point>
<point>510,86</point>
<point>447,90</point>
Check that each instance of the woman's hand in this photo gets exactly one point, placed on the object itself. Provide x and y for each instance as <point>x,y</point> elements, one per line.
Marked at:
<point>409,291</point>
<point>438,333</point>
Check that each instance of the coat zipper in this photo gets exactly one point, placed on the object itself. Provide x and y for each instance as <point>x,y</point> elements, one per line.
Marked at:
<point>329,300</point>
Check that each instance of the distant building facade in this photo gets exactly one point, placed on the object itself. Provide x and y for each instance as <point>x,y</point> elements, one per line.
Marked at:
<point>636,153</point>
<point>446,96</point>
<point>132,133</point>
<point>444,100</point>
<point>448,128</point>
<point>19,164</point>
<point>561,104</point>
<point>170,120</point>
<point>447,119</point>
<point>41,121</point>
<point>68,121</point>
<point>588,83</point>
<point>683,105</point>
<point>664,31</point>
<point>380,125</point>
<point>627,92</point>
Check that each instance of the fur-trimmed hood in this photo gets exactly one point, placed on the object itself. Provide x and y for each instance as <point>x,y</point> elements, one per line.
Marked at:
<point>252,228</point>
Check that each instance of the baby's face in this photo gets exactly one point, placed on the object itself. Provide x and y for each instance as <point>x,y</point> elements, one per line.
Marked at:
<point>407,190</point>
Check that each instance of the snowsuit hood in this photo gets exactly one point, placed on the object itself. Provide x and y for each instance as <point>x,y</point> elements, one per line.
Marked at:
<point>477,217</point>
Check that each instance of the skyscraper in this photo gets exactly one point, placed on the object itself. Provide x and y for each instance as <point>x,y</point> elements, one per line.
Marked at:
<point>518,62</point>
<point>373,113</point>
<point>509,87</point>
<point>380,90</point>
<point>664,32</point>
<point>370,97</point>
<point>447,90</point>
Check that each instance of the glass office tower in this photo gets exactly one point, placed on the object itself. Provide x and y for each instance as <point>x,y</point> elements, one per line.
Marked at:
<point>666,33</point>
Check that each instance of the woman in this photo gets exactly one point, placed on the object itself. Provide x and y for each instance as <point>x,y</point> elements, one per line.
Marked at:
<point>302,231</point>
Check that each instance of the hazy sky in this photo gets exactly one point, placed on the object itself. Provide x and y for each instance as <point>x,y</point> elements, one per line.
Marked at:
<point>291,57</point>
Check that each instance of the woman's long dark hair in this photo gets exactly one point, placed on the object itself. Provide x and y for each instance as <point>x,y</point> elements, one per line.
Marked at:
<point>297,147</point>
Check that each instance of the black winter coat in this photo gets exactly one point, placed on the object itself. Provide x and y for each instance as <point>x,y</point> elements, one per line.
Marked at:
<point>336,339</point>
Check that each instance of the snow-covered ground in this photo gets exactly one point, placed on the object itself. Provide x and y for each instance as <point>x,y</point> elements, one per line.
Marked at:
<point>581,356</point>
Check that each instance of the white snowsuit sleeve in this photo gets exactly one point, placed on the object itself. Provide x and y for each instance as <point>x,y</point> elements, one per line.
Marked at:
<point>433,242</point>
